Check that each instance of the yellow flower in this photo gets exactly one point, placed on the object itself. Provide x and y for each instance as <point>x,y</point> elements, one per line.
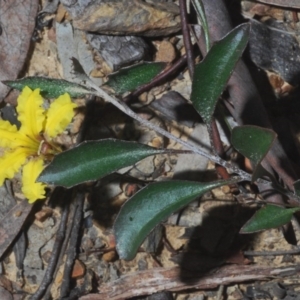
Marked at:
<point>32,145</point>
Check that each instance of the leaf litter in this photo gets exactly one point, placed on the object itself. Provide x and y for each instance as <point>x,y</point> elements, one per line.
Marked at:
<point>214,238</point>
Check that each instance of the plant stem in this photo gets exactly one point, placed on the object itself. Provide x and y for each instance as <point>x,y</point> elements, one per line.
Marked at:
<point>160,78</point>
<point>127,110</point>
<point>217,146</point>
<point>244,176</point>
<point>186,37</point>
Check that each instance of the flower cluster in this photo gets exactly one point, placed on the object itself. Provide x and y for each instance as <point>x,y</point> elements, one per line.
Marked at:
<point>32,145</point>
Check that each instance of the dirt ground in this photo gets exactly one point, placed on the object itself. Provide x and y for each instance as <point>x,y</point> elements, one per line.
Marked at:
<point>63,247</point>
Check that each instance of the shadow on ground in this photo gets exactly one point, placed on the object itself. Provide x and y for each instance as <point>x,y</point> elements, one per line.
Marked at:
<point>216,242</point>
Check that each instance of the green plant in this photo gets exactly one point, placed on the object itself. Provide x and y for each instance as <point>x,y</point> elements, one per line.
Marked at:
<point>143,211</point>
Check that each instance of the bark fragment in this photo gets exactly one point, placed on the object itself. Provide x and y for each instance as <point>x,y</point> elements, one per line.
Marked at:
<point>121,17</point>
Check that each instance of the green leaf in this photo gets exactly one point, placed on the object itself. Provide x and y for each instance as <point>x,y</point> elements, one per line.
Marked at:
<point>270,216</point>
<point>199,8</point>
<point>254,143</point>
<point>150,206</point>
<point>94,159</point>
<point>212,74</point>
<point>128,79</point>
<point>50,88</point>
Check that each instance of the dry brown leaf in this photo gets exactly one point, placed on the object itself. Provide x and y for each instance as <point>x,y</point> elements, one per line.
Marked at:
<point>16,216</point>
<point>17,23</point>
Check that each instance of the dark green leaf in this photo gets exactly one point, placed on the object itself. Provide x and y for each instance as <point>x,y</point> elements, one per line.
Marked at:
<point>128,79</point>
<point>94,159</point>
<point>212,74</point>
<point>253,142</point>
<point>150,206</point>
<point>270,216</point>
<point>297,187</point>
<point>50,88</point>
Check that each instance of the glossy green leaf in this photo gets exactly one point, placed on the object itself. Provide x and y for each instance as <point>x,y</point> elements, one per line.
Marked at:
<point>128,79</point>
<point>50,88</point>
<point>254,143</point>
<point>150,206</point>
<point>270,216</point>
<point>93,160</point>
<point>212,74</point>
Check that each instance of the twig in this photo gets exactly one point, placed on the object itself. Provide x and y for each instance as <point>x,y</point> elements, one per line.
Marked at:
<point>20,245</point>
<point>60,235</point>
<point>127,110</point>
<point>272,253</point>
<point>72,249</point>
<point>218,147</point>
<point>159,79</point>
<point>244,176</point>
<point>186,37</point>
<point>220,292</point>
<point>68,230</point>
<point>175,279</point>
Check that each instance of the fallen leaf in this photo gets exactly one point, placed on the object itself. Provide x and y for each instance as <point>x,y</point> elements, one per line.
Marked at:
<point>9,232</point>
<point>17,23</point>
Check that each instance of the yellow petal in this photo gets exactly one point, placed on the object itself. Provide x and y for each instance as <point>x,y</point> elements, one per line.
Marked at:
<point>33,190</point>
<point>8,135</point>
<point>30,112</point>
<point>11,138</point>
<point>59,115</point>
<point>11,162</point>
